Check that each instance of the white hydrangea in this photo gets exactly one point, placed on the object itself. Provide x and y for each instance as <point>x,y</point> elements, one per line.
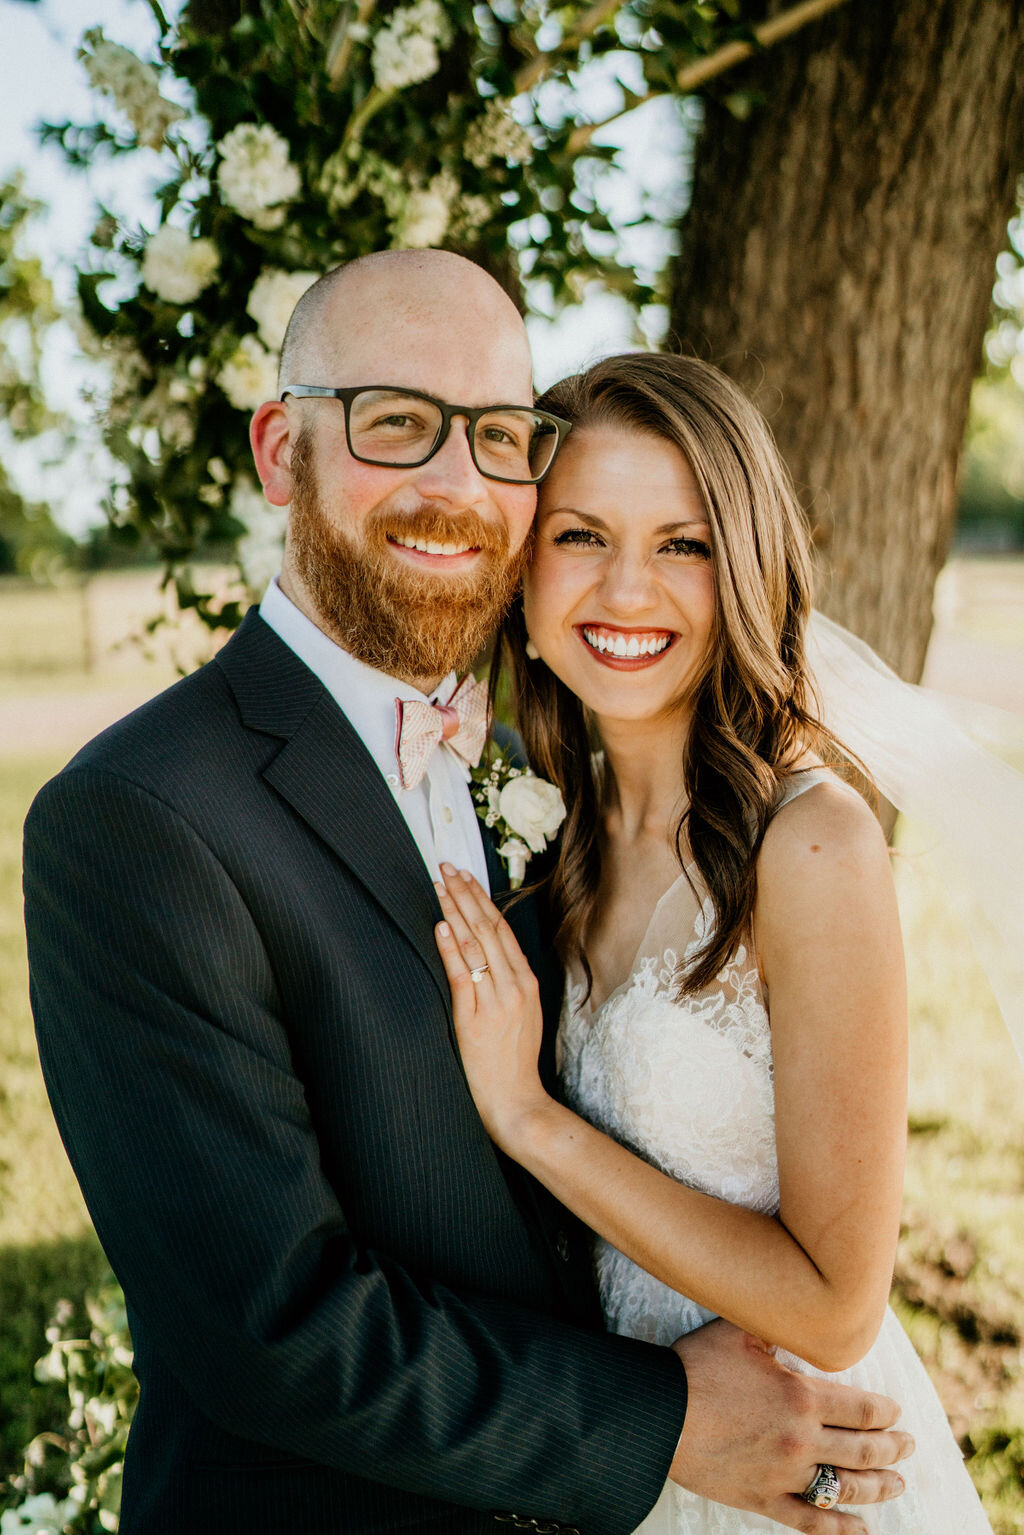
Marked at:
<point>176,267</point>
<point>274,295</point>
<point>497,136</point>
<point>260,548</point>
<point>256,175</point>
<point>405,51</point>
<point>426,213</point>
<point>250,374</point>
<point>471,213</point>
<point>133,85</point>
<point>41,1515</point>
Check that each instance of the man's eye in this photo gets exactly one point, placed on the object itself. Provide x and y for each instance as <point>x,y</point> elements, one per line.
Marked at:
<point>694,547</point>
<point>395,421</point>
<point>579,536</point>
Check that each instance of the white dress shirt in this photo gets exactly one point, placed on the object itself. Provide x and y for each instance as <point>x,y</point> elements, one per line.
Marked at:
<point>440,812</point>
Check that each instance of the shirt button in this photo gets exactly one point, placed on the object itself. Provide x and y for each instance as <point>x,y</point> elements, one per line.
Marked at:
<point>448,815</point>
<point>562,1246</point>
<point>393,782</point>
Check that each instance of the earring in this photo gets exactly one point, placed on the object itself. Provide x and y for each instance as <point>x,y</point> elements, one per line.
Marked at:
<point>533,654</point>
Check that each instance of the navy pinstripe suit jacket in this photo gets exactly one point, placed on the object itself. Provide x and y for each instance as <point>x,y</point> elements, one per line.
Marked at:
<point>350,1312</point>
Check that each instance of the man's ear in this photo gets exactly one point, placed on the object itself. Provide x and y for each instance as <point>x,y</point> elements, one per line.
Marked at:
<point>270,433</point>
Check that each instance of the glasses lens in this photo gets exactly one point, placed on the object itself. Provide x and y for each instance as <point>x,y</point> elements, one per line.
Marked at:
<point>515,444</point>
<point>392,427</point>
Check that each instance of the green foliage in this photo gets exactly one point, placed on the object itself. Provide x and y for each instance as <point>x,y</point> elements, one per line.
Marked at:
<point>992,492</point>
<point>34,1280</point>
<point>93,1364</point>
<point>435,122</point>
<point>27,310</point>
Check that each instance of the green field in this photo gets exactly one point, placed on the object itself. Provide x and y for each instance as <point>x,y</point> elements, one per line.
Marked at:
<point>960,1274</point>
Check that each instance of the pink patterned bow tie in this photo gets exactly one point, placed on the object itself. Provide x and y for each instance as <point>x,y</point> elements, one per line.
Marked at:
<point>419,728</point>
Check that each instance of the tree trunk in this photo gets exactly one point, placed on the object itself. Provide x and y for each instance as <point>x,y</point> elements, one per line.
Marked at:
<point>837,260</point>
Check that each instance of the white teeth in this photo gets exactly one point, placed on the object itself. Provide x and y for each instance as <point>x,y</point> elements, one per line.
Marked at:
<point>630,649</point>
<point>432,547</point>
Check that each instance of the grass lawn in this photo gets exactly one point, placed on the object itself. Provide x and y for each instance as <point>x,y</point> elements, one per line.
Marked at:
<point>960,1274</point>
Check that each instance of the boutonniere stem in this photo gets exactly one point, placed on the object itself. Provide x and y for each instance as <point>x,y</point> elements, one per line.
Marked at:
<point>525,811</point>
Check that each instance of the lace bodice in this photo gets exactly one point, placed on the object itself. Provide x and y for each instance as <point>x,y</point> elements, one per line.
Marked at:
<point>688,1086</point>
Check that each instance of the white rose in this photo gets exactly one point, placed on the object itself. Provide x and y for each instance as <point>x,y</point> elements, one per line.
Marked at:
<point>250,374</point>
<point>533,809</point>
<point>256,175</point>
<point>177,268</point>
<point>274,295</point>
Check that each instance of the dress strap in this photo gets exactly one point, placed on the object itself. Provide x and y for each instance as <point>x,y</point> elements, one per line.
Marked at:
<point>799,782</point>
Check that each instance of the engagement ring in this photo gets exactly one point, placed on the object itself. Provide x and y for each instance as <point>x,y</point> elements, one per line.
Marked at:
<point>477,975</point>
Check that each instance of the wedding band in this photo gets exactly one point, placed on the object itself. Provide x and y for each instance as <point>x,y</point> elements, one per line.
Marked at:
<point>825,1489</point>
<point>477,975</point>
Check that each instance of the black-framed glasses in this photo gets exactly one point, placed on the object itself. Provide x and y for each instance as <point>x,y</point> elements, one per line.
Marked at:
<point>402,428</point>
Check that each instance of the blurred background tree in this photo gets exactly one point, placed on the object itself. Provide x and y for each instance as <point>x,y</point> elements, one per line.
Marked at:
<point>851,188</point>
<point>837,259</point>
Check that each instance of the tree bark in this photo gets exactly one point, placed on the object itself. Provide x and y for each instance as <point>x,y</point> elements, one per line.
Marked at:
<point>837,259</point>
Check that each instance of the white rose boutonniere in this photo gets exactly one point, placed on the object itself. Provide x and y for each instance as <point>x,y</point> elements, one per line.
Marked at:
<point>525,810</point>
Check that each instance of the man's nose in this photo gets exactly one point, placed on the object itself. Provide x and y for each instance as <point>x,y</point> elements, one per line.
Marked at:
<point>451,474</point>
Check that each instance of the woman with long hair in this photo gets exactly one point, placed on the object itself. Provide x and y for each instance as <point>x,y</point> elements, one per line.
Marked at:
<point>733,1042</point>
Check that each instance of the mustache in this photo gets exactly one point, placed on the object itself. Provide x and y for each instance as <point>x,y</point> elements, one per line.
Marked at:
<point>436,524</point>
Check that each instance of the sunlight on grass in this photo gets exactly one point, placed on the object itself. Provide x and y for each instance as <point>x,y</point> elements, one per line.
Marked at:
<point>960,1275</point>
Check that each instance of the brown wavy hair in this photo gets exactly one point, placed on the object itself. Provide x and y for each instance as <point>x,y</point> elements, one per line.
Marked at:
<point>754,711</point>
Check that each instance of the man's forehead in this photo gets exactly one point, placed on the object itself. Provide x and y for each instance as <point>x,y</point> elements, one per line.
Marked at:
<point>447,362</point>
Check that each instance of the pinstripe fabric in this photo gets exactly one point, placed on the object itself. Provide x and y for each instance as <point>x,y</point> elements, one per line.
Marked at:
<point>351,1314</point>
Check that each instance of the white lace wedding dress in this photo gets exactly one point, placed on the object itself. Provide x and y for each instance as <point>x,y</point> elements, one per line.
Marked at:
<point>688,1086</point>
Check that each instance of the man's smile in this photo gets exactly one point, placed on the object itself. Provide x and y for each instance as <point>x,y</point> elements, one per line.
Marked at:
<point>431,553</point>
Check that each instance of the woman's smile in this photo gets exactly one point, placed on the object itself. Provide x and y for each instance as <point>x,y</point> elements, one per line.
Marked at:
<point>625,649</point>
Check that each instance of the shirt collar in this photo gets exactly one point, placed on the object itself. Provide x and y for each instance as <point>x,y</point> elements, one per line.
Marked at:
<point>366,695</point>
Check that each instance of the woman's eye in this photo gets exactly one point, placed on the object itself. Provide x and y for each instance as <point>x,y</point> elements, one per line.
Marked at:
<point>580,536</point>
<point>690,546</point>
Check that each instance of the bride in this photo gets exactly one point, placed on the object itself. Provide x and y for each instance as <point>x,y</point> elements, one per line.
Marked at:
<point>733,1040</point>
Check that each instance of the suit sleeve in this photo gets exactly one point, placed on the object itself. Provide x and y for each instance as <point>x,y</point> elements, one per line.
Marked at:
<point>172,1084</point>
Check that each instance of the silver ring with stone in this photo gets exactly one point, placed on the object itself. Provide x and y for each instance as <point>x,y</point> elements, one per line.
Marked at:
<point>477,975</point>
<point>825,1489</point>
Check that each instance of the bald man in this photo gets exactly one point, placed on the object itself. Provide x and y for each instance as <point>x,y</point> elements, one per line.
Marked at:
<point>350,1312</point>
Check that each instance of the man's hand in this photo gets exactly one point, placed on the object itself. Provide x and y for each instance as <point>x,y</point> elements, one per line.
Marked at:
<point>755,1434</point>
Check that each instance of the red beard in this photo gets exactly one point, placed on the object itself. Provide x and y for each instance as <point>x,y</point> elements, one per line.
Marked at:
<point>403,622</point>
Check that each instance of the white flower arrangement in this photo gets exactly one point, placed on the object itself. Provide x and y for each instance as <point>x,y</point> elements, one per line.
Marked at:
<point>405,51</point>
<point>497,136</point>
<point>262,545</point>
<point>250,374</point>
<point>271,300</point>
<point>526,811</point>
<point>426,213</point>
<point>256,176</point>
<point>39,1515</point>
<point>133,85</point>
<point>176,267</point>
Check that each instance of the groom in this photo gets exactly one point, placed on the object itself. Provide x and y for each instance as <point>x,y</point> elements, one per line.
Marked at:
<point>350,1312</point>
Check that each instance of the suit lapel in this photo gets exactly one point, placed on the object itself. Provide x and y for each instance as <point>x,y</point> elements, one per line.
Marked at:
<point>328,777</point>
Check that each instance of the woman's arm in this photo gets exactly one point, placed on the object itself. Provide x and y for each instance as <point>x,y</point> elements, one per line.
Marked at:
<point>814,1280</point>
